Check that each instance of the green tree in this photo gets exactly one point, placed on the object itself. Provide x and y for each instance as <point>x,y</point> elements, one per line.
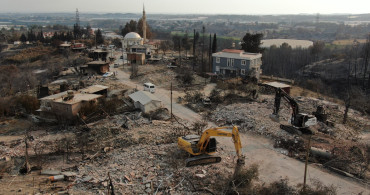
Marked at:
<point>99,37</point>
<point>214,44</point>
<point>139,29</point>
<point>77,32</point>
<point>252,42</point>
<point>31,36</point>
<point>117,42</point>
<point>23,38</point>
<point>40,36</point>
<point>129,27</point>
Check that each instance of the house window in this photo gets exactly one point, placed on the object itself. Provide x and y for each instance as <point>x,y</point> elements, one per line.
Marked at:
<point>230,62</point>
<point>217,60</point>
<point>242,71</point>
<point>244,62</point>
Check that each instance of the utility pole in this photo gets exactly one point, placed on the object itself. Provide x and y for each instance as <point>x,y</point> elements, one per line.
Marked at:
<point>203,30</point>
<point>171,100</point>
<point>210,53</point>
<point>180,52</point>
<point>305,165</point>
<point>194,49</point>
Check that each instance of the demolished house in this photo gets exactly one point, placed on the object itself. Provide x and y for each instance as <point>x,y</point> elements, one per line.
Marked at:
<point>67,104</point>
<point>276,85</point>
<point>99,67</point>
<point>136,58</point>
<point>145,101</point>
<point>96,89</point>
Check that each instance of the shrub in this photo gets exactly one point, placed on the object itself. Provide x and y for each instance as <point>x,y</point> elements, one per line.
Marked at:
<point>29,103</point>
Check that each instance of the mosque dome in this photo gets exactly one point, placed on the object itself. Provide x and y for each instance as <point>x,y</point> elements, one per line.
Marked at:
<point>132,35</point>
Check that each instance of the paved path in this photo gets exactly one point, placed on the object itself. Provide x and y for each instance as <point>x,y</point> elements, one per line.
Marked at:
<point>272,164</point>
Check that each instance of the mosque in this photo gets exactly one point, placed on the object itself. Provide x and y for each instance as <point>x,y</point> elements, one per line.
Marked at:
<point>133,38</point>
<point>138,48</point>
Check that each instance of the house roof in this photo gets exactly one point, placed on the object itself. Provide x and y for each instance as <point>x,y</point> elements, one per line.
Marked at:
<point>232,50</point>
<point>143,97</point>
<point>237,54</point>
<point>93,89</point>
<point>55,96</point>
<point>277,84</point>
<point>97,63</point>
<point>78,97</point>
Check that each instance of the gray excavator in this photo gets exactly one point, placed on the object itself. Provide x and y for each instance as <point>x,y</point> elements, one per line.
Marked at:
<point>299,122</point>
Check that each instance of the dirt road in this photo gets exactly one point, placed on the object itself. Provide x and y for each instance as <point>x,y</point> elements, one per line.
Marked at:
<point>272,164</point>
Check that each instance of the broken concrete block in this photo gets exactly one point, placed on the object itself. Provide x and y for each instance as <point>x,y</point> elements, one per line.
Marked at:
<point>86,179</point>
<point>69,174</point>
<point>50,172</point>
<point>56,178</point>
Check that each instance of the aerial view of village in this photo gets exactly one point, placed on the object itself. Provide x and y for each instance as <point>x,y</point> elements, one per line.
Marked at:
<point>185,97</point>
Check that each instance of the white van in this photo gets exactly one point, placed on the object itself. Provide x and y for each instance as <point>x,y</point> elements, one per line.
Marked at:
<point>149,87</point>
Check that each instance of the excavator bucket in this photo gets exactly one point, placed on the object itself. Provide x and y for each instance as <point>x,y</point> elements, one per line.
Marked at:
<point>202,160</point>
<point>274,117</point>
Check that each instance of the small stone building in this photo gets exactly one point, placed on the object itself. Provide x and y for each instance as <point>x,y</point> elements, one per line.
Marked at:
<point>136,58</point>
<point>99,67</point>
<point>67,104</point>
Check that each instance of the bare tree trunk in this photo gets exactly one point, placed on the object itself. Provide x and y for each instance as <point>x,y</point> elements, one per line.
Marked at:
<point>368,83</point>
<point>26,168</point>
<point>347,106</point>
<point>366,60</point>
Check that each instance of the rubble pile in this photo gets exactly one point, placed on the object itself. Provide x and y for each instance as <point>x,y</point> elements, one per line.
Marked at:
<point>253,116</point>
<point>149,169</point>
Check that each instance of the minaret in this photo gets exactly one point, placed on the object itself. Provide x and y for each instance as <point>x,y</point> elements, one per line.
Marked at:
<point>144,24</point>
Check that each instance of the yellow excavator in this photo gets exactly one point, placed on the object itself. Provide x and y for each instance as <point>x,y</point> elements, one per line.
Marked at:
<point>200,147</point>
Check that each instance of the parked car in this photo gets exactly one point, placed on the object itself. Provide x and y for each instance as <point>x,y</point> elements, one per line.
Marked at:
<point>149,87</point>
<point>108,74</point>
<point>121,57</point>
<point>115,66</point>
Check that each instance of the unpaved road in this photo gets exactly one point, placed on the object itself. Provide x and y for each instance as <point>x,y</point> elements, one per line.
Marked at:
<point>272,164</point>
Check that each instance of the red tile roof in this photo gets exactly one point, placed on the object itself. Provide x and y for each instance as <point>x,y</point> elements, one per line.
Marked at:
<point>232,50</point>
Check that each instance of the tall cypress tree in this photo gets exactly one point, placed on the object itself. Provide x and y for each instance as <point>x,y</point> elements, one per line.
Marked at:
<point>23,38</point>
<point>214,44</point>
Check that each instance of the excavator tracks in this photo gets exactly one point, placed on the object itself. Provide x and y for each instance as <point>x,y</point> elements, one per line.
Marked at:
<point>202,160</point>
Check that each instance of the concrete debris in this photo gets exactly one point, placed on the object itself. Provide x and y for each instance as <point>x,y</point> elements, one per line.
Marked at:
<point>50,172</point>
<point>146,168</point>
<point>56,178</point>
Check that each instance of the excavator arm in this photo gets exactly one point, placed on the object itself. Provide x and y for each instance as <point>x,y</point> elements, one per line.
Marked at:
<point>200,148</point>
<point>221,132</point>
<point>293,104</point>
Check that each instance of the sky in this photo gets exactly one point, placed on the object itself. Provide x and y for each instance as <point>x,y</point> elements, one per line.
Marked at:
<point>244,7</point>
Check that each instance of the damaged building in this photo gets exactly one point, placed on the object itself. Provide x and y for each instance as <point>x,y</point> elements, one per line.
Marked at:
<point>67,104</point>
<point>95,67</point>
<point>145,101</point>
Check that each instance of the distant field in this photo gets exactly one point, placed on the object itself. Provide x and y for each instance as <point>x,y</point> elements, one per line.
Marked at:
<point>206,34</point>
<point>347,41</point>
<point>294,43</point>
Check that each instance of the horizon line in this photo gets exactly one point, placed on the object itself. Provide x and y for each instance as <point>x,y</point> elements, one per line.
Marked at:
<point>159,13</point>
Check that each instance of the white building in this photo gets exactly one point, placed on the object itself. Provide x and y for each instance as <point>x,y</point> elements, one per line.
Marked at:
<point>145,101</point>
<point>132,39</point>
